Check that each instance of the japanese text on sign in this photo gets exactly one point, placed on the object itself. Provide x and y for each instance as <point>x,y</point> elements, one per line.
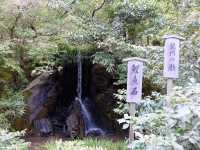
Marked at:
<point>171,57</point>
<point>134,81</point>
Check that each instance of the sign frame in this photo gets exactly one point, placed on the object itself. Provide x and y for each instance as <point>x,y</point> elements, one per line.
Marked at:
<point>132,104</point>
<point>171,77</point>
<point>171,56</point>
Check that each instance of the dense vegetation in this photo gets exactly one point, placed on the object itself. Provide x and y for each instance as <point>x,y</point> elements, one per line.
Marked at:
<point>40,35</point>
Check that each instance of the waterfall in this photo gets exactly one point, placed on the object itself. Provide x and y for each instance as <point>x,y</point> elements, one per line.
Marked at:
<point>79,76</point>
<point>90,126</point>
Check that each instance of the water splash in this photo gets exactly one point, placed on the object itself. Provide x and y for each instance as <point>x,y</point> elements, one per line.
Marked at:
<point>91,127</point>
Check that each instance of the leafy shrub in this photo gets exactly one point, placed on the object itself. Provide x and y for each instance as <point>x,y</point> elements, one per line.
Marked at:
<point>11,106</point>
<point>154,142</point>
<point>4,122</point>
<point>160,126</point>
<point>105,59</point>
<point>12,141</point>
<point>122,105</point>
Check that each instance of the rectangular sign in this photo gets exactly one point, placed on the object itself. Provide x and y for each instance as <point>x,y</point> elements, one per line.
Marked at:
<point>171,57</point>
<point>134,81</point>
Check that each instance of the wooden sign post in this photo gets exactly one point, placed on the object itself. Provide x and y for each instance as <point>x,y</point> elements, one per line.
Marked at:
<point>134,87</point>
<point>171,62</point>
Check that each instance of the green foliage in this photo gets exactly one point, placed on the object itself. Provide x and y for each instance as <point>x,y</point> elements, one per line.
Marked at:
<point>152,103</point>
<point>12,106</point>
<point>12,141</point>
<point>14,103</point>
<point>121,70</point>
<point>122,105</point>
<point>86,144</point>
<point>153,142</point>
<point>106,144</point>
<point>168,126</point>
<point>105,59</point>
<point>117,28</point>
<point>139,17</point>
<point>4,122</point>
<point>7,61</point>
<point>38,36</point>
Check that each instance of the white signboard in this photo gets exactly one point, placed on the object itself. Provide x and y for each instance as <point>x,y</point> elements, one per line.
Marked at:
<point>171,57</point>
<point>134,81</point>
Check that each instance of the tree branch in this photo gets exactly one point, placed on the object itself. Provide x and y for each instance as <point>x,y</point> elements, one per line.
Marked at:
<point>35,31</point>
<point>12,29</point>
<point>98,8</point>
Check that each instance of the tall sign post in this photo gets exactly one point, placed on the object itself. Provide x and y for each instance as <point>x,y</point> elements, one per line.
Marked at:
<point>134,87</point>
<point>171,61</point>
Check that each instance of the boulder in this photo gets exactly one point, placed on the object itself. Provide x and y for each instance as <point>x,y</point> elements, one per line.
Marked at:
<point>41,96</point>
<point>43,126</point>
<point>75,122</point>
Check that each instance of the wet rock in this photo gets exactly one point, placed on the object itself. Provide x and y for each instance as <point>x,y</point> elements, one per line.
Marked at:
<point>53,97</point>
<point>74,122</point>
<point>95,132</point>
<point>102,97</point>
<point>42,95</point>
<point>101,79</point>
<point>43,126</point>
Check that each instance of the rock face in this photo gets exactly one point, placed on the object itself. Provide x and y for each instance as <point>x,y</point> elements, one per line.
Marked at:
<point>51,104</point>
<point>74,122</point>
<point>43,126</point>
<point>101,89</point>
<point>51,111</point>
<point>101,80</point>
<point>43,95</point>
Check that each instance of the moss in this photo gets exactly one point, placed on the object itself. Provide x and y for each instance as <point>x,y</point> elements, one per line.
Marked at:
<point>72,51</point>
<point>5,74</point>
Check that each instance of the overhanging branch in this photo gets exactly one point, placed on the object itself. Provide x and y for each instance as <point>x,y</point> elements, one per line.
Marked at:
<point>98,8</point>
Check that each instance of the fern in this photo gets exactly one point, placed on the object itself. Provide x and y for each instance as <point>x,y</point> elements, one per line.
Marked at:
<point>105,59</point>
<point>12,106</point>
<point>12,140</point>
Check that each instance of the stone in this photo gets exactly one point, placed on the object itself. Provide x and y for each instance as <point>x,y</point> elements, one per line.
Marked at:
<point>101,89</point>
<point>74,122</point>
<point>101,79</point>
<point>41,96</point>
<point>43,126</point>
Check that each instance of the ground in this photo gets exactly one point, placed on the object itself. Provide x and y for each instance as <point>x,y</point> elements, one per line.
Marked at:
<point>37,141</point>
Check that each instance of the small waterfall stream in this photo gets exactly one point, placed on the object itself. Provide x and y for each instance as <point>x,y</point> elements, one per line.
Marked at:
<point>90,126</point>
